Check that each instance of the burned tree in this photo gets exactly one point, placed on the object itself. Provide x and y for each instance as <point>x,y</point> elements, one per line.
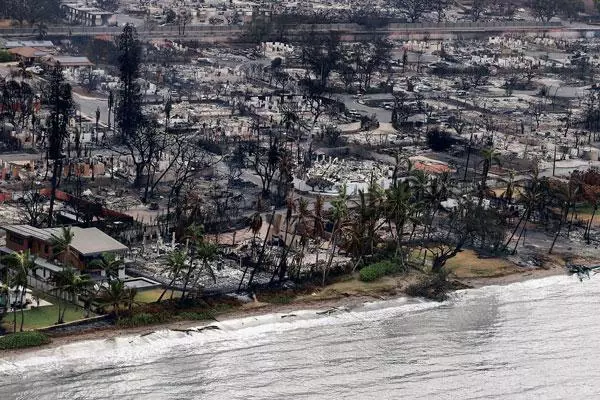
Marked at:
<point>371,58</point>
<point>61,106</point>
<point>477,9</point>
<point>32,205</point>
<point>264,160</point>
<point>412,10</point>
<point>129,98</point>
<point>140,135</point>
<point>322,54</point>
<point>16,102</point>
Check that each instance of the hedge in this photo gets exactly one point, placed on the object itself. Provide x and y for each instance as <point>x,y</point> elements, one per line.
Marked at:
<point>375,271</point>
<point>143,319</point>
<point>5,56</point>
<point>21,340</point>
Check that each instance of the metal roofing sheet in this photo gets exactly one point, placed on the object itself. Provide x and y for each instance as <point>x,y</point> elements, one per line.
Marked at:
<point>86,241</point>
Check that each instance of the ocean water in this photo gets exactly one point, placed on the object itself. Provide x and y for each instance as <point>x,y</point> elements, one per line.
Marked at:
<point>531,340</point>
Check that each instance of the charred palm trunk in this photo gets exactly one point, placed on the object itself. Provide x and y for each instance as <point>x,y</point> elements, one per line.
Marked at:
<point>522,231</point>
<point>185,283</point>
<point>262,250</point>
<point>560,224</point>
<point>589,225</point>
<point>283,261</point>
<point>525,214</point>
<point>165,290</point>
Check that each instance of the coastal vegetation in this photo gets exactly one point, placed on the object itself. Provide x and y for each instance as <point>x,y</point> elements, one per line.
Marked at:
<point>169,312</point>
<point>377,270</point>
<point>21,340</point>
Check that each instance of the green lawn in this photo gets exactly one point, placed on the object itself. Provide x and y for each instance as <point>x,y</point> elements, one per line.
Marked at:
<point>150,296</point>
<point>39,317</point>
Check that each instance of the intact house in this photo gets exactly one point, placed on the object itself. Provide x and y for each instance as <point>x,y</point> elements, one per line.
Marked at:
<point>28,55</point>
<point>87,244</point>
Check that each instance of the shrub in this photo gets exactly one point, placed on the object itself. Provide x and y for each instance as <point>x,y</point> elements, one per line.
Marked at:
<point>5,56</point>
<point>375,271</point>
<point>439,140</point>
<point>332,136</point>
<point>23,339</point>
<point>143,319</point>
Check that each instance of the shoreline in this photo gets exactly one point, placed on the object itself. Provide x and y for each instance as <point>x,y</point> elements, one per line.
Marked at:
<point>260,308</point>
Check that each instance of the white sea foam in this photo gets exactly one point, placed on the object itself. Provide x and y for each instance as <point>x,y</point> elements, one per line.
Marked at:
<point>533,339</point>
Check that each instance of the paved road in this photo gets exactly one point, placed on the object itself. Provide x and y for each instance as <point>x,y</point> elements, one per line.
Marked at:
<point>228,32</point>
<point>89,105</point>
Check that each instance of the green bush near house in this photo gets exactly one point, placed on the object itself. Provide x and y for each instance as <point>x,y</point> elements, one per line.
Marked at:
<point>22,340</point>
<point>5,56</point>
<point>377,270</point>
<point>143,319</point>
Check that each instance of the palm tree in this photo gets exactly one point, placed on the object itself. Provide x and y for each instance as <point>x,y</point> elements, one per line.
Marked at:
<point>42,30</point>
<point>114,294</point>
<point>130,294</point>
<point>262,250</point>
<point>397,208</point>
<point>176,262</point>
<point>369,208</point>
<point>290,217</point>
<point>509,192</point>
<point>69,282</point>
<point>437,191</point>
<point>289,119</point>
<point>21,264</point>
<point>318,226</point>
<point>339,215</point>
<point>490,156</point>
<point>588,226</point>
<point>568,195</point>
<point>108,263</point>
<point>255,225</point>
<point>61,244</point>
<point>419,181</point>
<point>302,220</point>
<point>199,253</point>
<point>200,258</point>
<point>530,196</point>
<point>256,222</point>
